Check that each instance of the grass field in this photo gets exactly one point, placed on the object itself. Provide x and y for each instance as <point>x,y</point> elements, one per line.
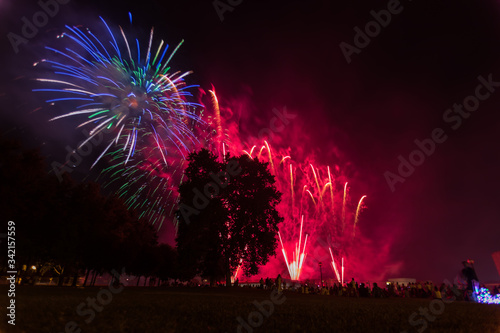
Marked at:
<point>50,309</point>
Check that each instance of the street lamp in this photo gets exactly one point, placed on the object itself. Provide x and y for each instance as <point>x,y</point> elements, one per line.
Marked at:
<point>321,273</point>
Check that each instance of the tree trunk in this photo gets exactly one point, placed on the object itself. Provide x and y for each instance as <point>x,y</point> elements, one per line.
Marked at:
<point>75,278</point>
<point>228,274</point>
<point>61,278</point>
<point>117,280</point>
<point>86,277</point>
<point>94,278</point>
<point>138,279</point>
<point>112,282</point>
<point>145,280</point>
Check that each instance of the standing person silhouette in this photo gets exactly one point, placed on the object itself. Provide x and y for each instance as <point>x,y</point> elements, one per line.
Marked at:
<point>278,282</point>
<point>469,273</point>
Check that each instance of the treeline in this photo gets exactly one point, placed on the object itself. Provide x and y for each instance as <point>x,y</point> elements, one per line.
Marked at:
<point>69,229</point>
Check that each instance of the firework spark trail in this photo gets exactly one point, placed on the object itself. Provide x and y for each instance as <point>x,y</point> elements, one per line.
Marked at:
<point>238,269</point>
<point>334,266</point>
<point>331,190</point>
<point>342,278</point>
<point>343,206</point>
<point>358,210</point>
<point>317,184</point>
<point>291,186</point>
<point>297,260</point>
<point>215,105</point>
<point>145,185</point>
<point>284,252</point>
<point>270,158</point>
<point>236,272</point>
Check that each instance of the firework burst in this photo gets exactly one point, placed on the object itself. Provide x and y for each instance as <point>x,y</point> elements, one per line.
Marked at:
<point>114,86</point>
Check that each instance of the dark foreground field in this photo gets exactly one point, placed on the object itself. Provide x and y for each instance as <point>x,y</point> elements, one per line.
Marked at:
<point>50,309</point>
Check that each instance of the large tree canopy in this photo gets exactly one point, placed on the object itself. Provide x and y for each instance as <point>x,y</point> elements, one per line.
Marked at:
<point>227,215</point>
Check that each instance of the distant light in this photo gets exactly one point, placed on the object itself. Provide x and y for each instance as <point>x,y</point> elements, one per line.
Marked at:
<point>33,267</point>
<point>483,296</point>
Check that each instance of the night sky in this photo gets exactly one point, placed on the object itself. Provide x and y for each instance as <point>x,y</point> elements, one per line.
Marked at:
<point>361,115</point>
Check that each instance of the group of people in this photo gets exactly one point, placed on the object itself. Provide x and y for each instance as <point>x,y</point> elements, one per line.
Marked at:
<point>419,289</point>
<point>278,283</point>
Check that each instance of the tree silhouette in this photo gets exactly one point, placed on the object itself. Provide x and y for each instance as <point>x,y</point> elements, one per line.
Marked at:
<point>66,227</point>
<point>227,215</point>
<point>167,262</point>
